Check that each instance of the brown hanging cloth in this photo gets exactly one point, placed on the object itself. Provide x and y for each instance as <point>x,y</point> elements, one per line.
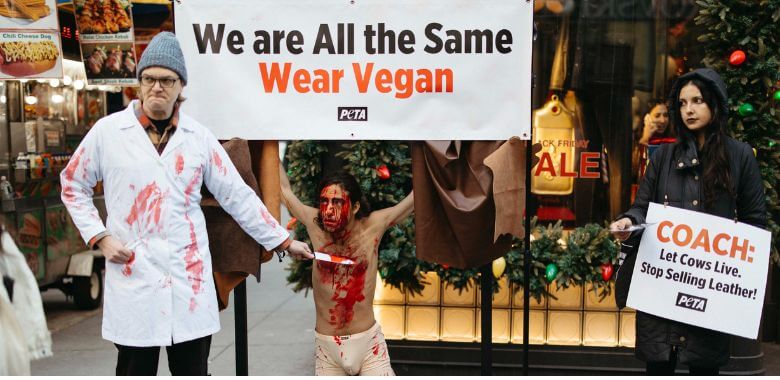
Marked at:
<point>235,254</point>
<point>458,188</point>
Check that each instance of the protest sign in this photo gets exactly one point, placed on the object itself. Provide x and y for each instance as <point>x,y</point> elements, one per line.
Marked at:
<point>369,69</point>
<point>702,270</point>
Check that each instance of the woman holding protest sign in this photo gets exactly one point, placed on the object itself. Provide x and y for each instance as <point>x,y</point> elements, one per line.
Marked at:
<point>705,171</point>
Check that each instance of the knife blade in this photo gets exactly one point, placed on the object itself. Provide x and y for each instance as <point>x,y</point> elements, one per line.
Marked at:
<point>332,258</point>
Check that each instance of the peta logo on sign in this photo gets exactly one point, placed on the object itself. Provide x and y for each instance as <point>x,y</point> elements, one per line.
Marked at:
<point>353,113</point>
<point>691,302</point>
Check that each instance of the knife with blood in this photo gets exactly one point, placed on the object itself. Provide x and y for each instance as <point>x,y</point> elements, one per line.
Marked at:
<point>332,258</point>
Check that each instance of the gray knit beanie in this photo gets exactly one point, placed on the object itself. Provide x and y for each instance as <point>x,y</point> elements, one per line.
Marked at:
<point>163,51</point>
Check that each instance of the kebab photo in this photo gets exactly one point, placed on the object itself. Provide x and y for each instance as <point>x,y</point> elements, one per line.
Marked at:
<point>102,16</point>
<point>26,58</point>
<point>103,61</point>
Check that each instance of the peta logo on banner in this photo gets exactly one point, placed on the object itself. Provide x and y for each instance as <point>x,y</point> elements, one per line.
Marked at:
<point>691,302</point>
<point>353,113</point>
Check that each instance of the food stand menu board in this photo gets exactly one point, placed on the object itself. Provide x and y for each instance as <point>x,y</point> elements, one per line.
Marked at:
<point>29,40</point>
<point>28,14</point>
<point>106,35</point>
<point>30,55</point>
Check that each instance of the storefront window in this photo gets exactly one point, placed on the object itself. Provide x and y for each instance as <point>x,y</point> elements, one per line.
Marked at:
<point>601,69</point>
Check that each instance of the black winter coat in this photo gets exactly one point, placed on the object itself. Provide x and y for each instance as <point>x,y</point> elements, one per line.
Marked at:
<point>675,173</point>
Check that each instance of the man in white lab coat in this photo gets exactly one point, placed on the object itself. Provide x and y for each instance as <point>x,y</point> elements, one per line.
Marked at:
<point>152,160</point>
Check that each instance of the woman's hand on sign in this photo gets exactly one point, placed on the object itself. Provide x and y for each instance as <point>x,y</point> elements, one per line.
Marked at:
<point>619,228</point>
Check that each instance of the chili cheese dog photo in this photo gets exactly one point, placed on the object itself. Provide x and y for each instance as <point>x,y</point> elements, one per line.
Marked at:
<point>27,58</point>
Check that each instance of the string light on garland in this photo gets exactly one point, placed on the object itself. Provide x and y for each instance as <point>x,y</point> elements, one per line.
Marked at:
<point>606,271</point>
<point>776,96</point>
<point>746,109</point>
<point>499,266</point>
<point>737,58</point>
<point>551,271</point>
<point>383,172</point>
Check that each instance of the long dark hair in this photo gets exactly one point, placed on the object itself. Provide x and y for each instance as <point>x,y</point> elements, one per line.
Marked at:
<point>351,186</point>
<point>716,176</point>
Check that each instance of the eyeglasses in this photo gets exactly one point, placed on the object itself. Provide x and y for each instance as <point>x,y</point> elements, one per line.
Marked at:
<point>164,82</point>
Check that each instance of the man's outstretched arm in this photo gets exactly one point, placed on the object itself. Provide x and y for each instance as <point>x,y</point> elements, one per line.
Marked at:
<point>391,216</point>
<point>297,209</point>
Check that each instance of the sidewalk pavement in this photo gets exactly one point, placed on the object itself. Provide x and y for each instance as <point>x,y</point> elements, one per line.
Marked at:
<point>280,326</point>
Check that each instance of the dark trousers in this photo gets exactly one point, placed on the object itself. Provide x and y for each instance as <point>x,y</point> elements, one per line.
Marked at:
<point>667,368</point>
<point>184,359</point>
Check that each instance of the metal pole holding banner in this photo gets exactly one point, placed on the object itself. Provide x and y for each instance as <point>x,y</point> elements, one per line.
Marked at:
<point>486,285</point>
<point>527,212</point>
<point>527,255</point>
<point>242,348</point>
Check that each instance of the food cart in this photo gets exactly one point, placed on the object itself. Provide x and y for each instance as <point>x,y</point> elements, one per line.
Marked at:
<point>44,120</point>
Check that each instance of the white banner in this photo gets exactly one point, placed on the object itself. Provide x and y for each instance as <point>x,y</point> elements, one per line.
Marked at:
<point>364,69</point>
<point>702,270</point>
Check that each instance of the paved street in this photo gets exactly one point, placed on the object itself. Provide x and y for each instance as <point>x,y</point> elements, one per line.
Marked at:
<point>280,329</point>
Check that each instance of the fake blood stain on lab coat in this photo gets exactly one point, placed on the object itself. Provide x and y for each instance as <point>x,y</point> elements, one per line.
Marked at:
<point>127,270</point>
<point>179,163</point>
<point>70,173</point>
<point>194,263</point>
<point>217,160</point>
<point>147,208</point>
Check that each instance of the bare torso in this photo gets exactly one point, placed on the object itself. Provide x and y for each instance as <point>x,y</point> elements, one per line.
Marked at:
<point>344,294</point>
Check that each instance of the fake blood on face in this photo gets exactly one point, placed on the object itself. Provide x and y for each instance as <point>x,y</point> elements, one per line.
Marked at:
<point>335,206</point>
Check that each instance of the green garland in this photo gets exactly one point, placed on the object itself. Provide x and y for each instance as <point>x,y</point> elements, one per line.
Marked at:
<point>579,259</point>
<point>754,28</point>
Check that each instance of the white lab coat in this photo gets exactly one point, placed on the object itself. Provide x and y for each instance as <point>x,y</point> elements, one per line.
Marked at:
<point>166,293</point>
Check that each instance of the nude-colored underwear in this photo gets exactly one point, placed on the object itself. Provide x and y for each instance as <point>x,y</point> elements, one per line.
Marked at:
<point>362,354</point>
